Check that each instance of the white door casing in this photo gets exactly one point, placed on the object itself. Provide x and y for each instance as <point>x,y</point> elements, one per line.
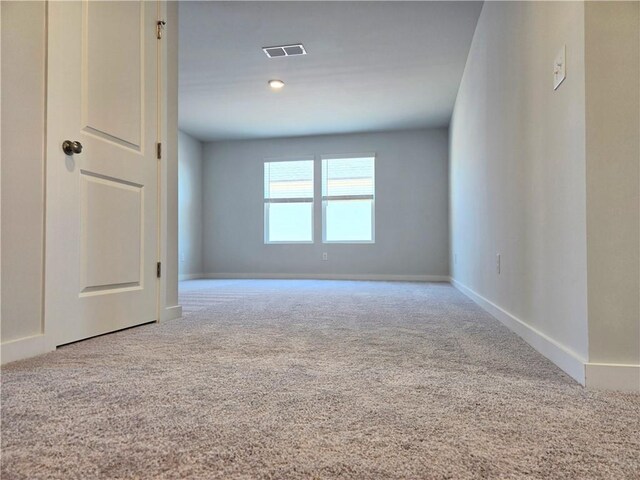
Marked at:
<point>102,203</point>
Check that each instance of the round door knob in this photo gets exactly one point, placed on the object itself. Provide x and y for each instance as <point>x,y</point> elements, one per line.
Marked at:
<point>69,147</point>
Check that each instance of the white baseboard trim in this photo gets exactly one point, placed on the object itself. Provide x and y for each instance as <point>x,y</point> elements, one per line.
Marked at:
<point>24,348</point>
<point>564,358</point>
<point>610,376</point>
<point>329,276</point>
<point>171,313</point>
<point>191,276</point>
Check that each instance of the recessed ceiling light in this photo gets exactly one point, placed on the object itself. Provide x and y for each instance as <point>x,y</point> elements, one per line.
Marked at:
<point>276,84</point>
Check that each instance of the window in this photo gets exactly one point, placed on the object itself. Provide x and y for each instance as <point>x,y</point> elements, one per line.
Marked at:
<point>348,189</point>
<point>288,201</point>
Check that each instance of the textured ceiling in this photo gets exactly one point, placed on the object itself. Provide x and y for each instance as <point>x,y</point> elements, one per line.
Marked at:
<point>370,66</point>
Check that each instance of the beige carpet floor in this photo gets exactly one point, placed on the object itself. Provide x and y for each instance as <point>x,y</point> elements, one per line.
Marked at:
<point>312,379</point>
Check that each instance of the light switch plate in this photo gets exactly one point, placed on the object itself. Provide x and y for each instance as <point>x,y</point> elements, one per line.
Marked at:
<point>559,68</point>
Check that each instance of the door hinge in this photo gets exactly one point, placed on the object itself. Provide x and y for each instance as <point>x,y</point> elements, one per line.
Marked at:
<point>158,151</point>
<point>160,28</point>
<point>159,269</point>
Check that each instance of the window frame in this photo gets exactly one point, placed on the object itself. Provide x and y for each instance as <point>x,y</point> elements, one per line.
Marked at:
<point>325,198</point>
<point>268,201</point>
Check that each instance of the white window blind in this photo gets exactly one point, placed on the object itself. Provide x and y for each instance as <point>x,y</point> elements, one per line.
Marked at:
<point>348,196</point>
<point>288,201</point>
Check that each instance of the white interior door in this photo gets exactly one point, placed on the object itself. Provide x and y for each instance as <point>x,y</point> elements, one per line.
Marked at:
<point>102,202</point>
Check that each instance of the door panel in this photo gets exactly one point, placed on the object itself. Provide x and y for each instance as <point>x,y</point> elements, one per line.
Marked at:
<point>102,203</point>
<point>113,46</point>
<point>112,234</point>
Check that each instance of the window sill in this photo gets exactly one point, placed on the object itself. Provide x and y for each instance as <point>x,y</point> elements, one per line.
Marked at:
<point>290,243</point>
<point>347,242</point>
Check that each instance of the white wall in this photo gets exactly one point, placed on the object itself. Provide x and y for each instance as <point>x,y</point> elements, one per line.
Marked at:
<point>549,180</point>
<point>23,134</point>
<point>189,206</point>
<point>411,208</point>
<point>518,175</point>
<point>613,166</point>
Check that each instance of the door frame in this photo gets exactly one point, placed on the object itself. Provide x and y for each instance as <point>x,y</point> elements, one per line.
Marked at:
<point>168,304</point>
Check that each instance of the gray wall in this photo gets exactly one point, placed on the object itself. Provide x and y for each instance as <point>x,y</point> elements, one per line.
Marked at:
<point>518,169</point>
<point>612,47</point>
<point>23,136</point>
<point>189,205</point>
<point>411,207</point>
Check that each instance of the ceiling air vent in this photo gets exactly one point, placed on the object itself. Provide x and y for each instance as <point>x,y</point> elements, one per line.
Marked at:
<point>284,51</point>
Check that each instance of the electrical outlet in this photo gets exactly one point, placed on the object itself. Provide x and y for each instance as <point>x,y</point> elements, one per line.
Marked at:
<point>498,264</point>
<point>325,256</point>
<point>455,258</point>
<point>182,256</point>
